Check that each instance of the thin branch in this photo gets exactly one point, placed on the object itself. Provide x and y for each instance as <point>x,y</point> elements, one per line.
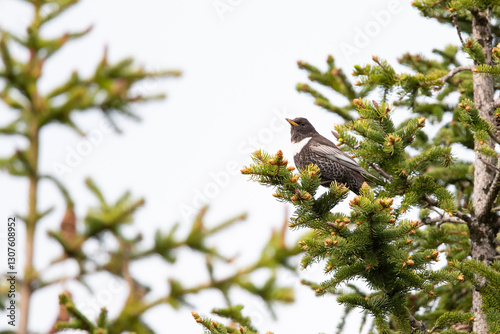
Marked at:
<point>465,217</point>
<point>380,171</point>
<point>443,219</point>
<point>488,164</point>
<point>455,71</point>
<point>459,32</point>
<point>198,288</point>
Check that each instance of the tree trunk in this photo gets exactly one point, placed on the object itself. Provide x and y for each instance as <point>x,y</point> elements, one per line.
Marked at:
<point>481,233</point>
<point>25,290</point>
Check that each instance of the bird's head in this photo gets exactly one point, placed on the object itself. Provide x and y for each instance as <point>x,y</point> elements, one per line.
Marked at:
<point>301,128</point>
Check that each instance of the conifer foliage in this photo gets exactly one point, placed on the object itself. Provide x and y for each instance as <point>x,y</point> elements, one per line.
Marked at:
<point>109,90</point>
<point>384,261</point>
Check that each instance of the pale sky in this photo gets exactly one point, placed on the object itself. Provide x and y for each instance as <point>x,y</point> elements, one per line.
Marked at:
<point>239,74</point>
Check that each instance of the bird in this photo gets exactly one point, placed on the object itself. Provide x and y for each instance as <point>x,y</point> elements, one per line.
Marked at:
<point>309,147</point>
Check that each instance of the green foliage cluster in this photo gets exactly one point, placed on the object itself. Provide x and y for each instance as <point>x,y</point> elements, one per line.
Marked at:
<point>368,244</point>
<point>240,323</point>
<point>108,220</point>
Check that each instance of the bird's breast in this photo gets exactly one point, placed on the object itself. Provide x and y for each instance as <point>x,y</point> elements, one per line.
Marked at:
<point>298,146</point>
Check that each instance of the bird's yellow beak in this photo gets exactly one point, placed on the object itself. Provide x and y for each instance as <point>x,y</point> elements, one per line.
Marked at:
<point>291,122</point>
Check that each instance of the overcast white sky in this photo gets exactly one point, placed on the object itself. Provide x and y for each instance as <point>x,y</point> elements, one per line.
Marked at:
<point>239,76</point>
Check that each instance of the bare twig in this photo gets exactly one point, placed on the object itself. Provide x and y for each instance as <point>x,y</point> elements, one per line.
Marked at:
<point>455,23</point>
<point>463,216</point>
<point>380,171</point>
<point>455,71</point>
<point>488,164</point>
<point>443,219</point>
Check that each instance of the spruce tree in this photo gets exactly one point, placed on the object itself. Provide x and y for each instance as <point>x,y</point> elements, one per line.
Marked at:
<point>109,89</point>
<point>376,256</point>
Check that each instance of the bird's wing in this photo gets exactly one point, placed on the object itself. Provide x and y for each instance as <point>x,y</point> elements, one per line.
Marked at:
<point>330,151</point>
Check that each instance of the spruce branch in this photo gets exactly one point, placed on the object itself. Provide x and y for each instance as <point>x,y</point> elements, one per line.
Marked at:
<point>354,253</point>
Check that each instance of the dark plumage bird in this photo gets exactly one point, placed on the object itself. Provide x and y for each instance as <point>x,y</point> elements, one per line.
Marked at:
<point>309,147</point>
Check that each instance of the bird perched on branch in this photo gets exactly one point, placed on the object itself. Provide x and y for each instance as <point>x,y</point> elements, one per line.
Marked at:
<point>309,147</point>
